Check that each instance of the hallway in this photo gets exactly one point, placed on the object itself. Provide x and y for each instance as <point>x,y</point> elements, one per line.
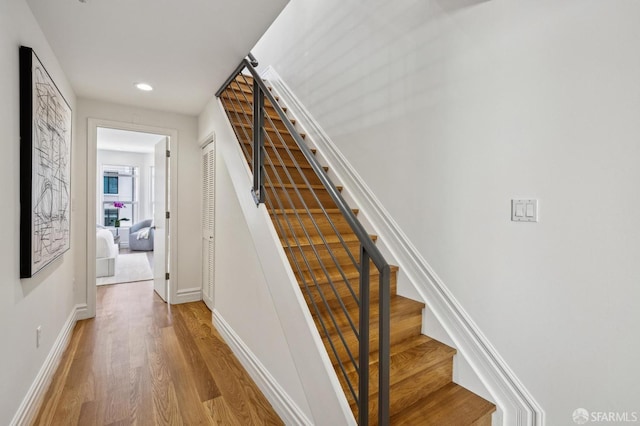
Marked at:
<point>141,361</point>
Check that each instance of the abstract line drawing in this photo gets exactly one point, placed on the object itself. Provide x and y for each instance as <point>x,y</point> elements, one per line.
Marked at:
<point>45,169</point>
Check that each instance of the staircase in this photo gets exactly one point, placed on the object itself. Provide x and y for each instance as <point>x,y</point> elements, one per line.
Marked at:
<point>325,254</point>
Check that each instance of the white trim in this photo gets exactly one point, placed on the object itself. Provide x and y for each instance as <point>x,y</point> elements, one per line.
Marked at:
<point>82,312</point>
<point>33,399</point>
<point>187,295</point>
<point>282,403</point>
<point>172,134</point>
<point>210,138</point>
<point>514,401</point>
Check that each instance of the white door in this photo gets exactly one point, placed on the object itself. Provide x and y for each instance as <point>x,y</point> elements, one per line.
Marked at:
<point>208,228</point>
<point>161,223</point>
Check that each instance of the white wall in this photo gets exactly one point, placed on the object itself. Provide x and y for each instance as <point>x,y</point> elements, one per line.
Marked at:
<point>47,298</point>
<point>143,162</point>
<point>239,281</point>
<point>448,110</point>
<point>188,184</point>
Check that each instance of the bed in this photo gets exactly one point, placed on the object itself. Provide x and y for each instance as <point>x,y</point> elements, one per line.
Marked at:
<point>106,253</point>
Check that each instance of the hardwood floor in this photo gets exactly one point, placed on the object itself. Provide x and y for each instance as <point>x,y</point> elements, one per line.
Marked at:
<point>143,362</point>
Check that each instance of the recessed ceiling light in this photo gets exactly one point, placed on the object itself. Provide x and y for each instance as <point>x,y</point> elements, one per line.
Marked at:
<point>144,86</point>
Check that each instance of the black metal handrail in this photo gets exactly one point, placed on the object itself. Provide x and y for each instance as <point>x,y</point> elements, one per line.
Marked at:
<point>368,250</point>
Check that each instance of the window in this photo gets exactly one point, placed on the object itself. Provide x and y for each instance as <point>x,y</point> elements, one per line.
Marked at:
<point>120,185</point>
<point>110,184</point>
<point>110,217</point>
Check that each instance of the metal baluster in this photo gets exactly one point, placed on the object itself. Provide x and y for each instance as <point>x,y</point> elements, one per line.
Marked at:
<point>258,143</point>
<point>363,358</point>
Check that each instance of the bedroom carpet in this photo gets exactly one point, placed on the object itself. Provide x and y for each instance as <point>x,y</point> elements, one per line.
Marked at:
<point>129,268</point>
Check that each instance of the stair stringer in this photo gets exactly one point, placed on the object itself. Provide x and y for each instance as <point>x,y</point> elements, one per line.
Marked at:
<point>483,370</point>
<point>315,370</point>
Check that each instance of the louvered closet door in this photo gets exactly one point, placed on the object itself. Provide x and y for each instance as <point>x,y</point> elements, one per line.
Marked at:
<point>208,223</point>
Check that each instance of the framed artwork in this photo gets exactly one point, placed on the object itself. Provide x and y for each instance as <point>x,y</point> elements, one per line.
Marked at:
<point>45,167</point>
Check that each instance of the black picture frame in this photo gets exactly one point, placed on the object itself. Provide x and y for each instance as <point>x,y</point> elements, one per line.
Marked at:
<point>45,167</point>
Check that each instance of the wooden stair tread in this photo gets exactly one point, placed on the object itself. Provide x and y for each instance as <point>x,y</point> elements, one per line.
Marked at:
<point>249,80</point>
<point>279,145</point>
<point>302,223</point>
<point>235,106</point>
<point>268,128</point>
<point>398,306</point>
<point>349,271</point>
<point>407,345</point>
<point>330,239</point>
<point>246,90</point>
<point>408,358</point>
<point>240,112</point>
<point>451,405</point>
<point>312,211</point>
<point>303,166</point>
<point>279,185</point>
<point>403,326</point>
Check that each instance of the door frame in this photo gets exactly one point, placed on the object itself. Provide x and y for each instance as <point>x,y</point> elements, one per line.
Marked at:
<point>172,185</point>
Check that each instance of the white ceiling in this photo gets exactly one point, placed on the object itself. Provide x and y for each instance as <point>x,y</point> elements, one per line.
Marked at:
<point>184,48</point>
<point>124,140</point>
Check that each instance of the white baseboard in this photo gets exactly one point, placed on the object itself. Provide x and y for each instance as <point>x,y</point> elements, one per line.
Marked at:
<point>282,403</point>
<point>82,312</point>
<point>33,399</point>
<point>515,403</point>
<point>187,295</point>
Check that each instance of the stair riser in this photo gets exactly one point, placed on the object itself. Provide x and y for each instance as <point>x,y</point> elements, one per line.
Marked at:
<point>271,137</point>
<point>245,96</point>
<point>274,128</point>
<point>278,155</point>
<point>275,154</point>
<point>343,291</point>
<point>238,86</point>
<point>483,421</point>
<point>271,123</point>
<point>302,225</point>
<point>401,328</point>
<point>286,155</point>
<point>244,84</point>
<point>278,173</point>
<point>290,199</point>
<point>322,256</point>
<point>344,320</point>
<point>234,106</point>
<point>242,113</point>
<point>414,389</point>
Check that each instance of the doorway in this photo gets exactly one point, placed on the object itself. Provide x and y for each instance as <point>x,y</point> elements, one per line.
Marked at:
<point>130,206</point>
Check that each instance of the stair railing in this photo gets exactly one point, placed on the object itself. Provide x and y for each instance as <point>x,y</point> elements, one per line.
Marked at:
<point>265,167</point>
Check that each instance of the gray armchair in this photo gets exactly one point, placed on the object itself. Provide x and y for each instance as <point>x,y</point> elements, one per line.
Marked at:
<point>141,244</point>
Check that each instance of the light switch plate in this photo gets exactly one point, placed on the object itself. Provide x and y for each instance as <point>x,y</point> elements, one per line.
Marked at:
<point>524,210</point>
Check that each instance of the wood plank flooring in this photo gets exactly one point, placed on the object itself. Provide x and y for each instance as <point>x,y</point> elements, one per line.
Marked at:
<point>144,362</point>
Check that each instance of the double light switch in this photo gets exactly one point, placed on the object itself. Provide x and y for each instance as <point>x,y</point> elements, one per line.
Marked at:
<point>524,210</point>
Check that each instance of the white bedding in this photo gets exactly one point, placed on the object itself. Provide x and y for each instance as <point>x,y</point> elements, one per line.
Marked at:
<point>105,246</point>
